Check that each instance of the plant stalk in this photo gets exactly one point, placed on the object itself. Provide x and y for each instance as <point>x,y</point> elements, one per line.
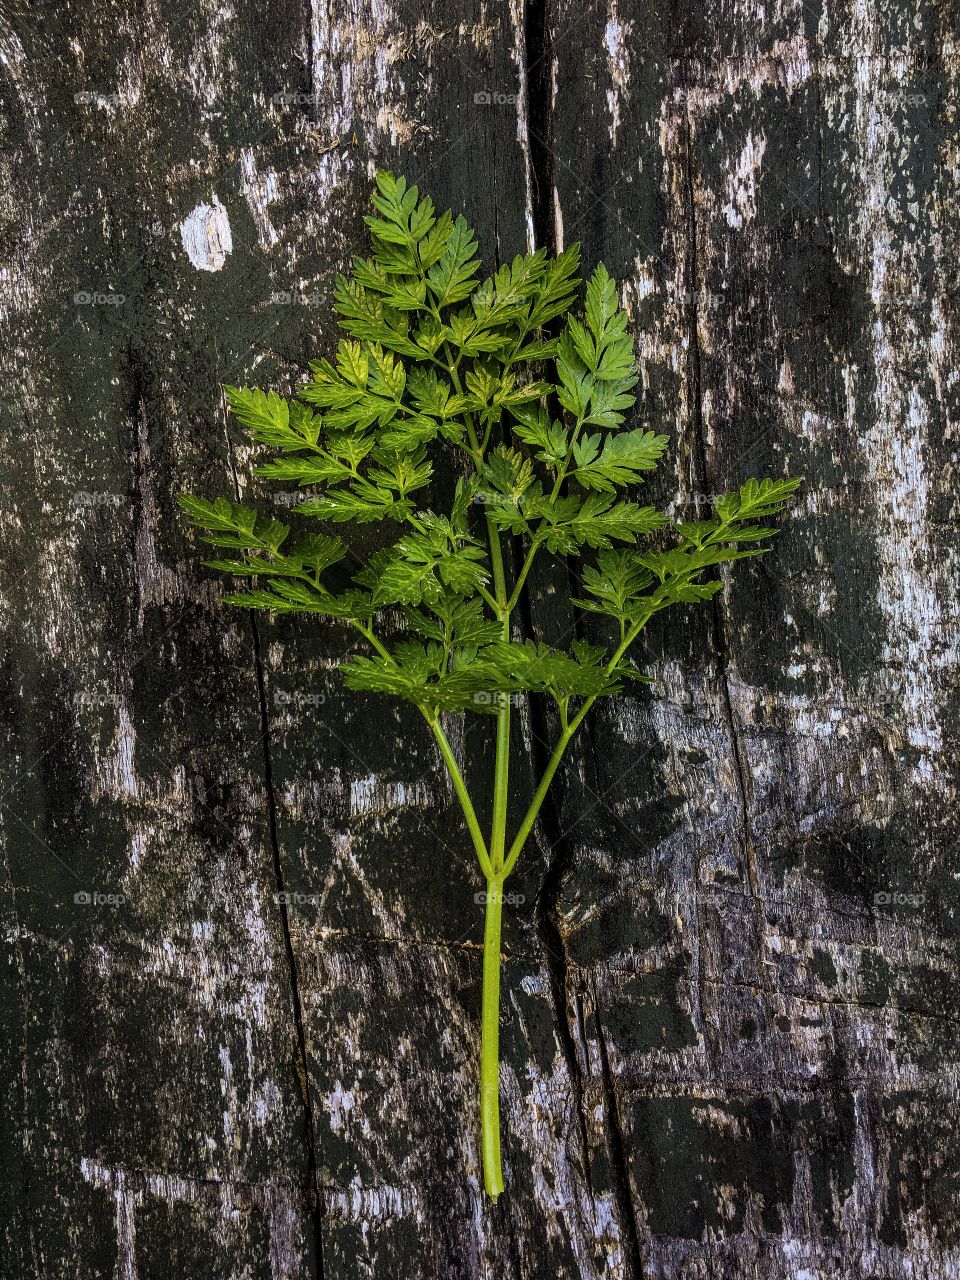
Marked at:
<point>490,1042</point>
<point>490,1006</point>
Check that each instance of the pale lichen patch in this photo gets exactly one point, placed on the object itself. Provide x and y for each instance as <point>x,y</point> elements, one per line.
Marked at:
<point>206,236</point>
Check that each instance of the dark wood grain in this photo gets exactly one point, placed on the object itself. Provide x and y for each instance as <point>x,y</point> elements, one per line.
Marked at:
<point>730,984</point>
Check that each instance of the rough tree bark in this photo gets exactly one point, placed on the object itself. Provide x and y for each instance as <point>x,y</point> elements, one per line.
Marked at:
<point>730,995</point>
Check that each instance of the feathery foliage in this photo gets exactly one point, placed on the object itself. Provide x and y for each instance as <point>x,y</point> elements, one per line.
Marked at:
<point>529,403</point>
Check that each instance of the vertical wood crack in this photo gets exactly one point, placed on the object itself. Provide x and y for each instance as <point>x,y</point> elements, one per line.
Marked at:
<point>539,119</point>
<point>699,454</point>
<point>313,1194</point>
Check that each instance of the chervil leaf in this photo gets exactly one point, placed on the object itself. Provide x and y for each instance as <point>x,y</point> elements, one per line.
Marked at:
<point>576,383</point>
<point>272,420</point>
<point>363,315</point>
<point>631,586</point>
<point>295,597</point>
<point>534,427</point>
<point>405,218</point>
<point>557,289</point>
<point>453,277</point>
<point>362,502</point>
<point>756,500</point>
<point>502,298</point>
<point>506,474</point>
<point>536,667</point>
<point>310,470</point>
<point>420,674</point>
<point>407,294</point>
<point>461,624</point>
<point>312,553</point>
<point>402,471</point>
<point>433,561</point>
<point>229,524</point>
<point>620,459</point>
<point>569,523</point>
<point>616,583</point>
<point>475,335</point>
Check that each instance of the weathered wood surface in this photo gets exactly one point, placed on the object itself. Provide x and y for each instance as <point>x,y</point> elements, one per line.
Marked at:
<point>730,997</point>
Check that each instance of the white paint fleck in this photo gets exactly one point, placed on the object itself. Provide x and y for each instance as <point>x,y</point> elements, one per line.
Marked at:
<point>206,236</point>
<point>372,1204</point>
<point>259,189</point>
<point>618,68</point>
<point>788,64</point>
<point>916,589</point>
<point>339,1103</point>
<point>519,52</point>
<point>230,1200</point>
<point>139,843</point>
<point>741,203</point>
<point>116,776</point>
<point>371,794</point>
<point>126,1267</point>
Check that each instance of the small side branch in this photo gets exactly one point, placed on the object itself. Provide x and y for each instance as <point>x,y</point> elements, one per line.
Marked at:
<point>463,795</point>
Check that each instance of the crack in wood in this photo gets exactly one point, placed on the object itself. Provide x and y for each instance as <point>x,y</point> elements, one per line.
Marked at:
<point>702,480</point>
<point>559,847</point>
<point>314,1195</point>
<point>626,1205</point>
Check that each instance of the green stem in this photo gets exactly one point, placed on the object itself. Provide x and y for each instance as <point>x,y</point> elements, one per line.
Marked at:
<point>490,1010</point>
<point>518,585</point>
<point>535,544</point>
<point>554,763</point>
<point>463,795</point>
<point>450,760</point>
<point>502,762</point>
<point>368,633</point>
<point>501,768</point>
<point>490,1042</point>
<point>491,600</point>
<point>541,792</point>
<point>490,1004</point>
<point>501,776</point>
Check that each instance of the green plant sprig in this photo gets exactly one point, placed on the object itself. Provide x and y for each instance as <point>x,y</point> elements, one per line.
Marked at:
<point>436,361</point>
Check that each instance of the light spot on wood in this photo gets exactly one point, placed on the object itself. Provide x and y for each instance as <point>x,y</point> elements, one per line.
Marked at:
<point>339,1103</point>
<point>259,190</point>
<point>616,42</point>
<point>742,183</point>
<point>206,236</point>
<point>358,1203</point>
<point>372,795</point>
